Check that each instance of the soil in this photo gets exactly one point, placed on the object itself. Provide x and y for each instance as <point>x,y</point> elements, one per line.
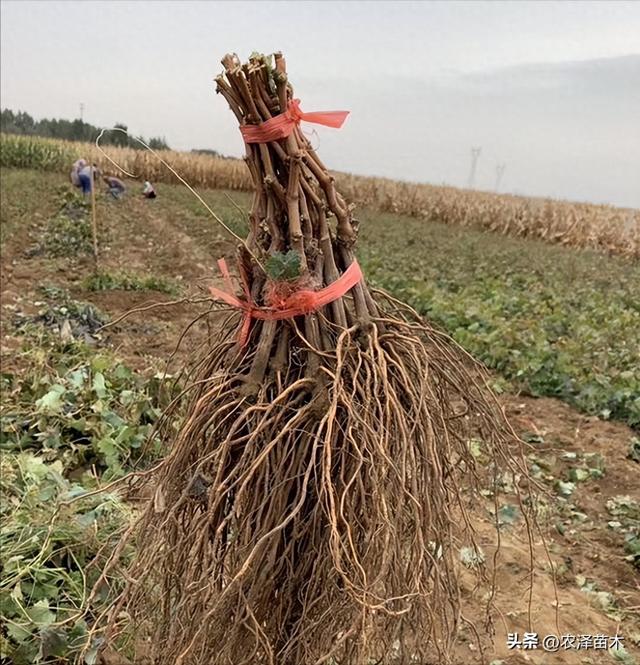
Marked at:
<point>139,236</point>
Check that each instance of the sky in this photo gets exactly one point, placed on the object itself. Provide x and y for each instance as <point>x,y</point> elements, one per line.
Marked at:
<point>549,89</point>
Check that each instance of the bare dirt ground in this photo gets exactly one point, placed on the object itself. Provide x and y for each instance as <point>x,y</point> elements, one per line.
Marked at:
<point>597,591</point>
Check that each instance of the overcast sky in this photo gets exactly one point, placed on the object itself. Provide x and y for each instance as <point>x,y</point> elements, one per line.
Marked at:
<point>550,89</point>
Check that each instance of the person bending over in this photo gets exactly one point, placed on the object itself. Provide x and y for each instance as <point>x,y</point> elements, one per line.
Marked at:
<point>115,186</point>
<point>85,177</point>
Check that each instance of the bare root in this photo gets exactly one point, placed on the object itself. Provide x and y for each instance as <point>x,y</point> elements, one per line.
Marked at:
<point>319,519</point>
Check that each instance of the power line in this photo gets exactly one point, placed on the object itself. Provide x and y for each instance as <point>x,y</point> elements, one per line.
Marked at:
<point>500,169</point>
<point>475,154</point>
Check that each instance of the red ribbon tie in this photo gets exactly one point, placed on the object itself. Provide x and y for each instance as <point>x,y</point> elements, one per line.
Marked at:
<point>280,126</point>
<point>298,303</point>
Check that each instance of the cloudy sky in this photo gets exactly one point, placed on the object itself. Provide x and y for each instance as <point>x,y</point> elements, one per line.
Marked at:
<point>552,90</point>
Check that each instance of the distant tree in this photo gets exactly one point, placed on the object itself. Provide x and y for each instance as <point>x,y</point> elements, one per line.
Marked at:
<point>118,138</point>
<point>157,143</point>
<point>7,122</point>
<point>81,131</point>
<point>206,151</point>
<point>24,122</point>
<point>71,130</point>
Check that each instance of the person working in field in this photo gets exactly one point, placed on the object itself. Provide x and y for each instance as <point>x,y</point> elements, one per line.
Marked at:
<point>85,176</point>
<point>75,171</point>
<point>115,186</point>
<point>148,191</point>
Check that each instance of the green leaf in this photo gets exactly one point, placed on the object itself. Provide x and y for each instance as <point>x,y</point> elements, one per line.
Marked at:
<point>100,363</point>
<point>77,378</point>
<point>99,385</point>
<point>578,475</point>
<point>55,471</point>
<point>18,632</point>
<point>508,514</point>
<point>98,406</point>
<point>75,491</point>
<point>475,448</point>
<point>47,492</point>
<point>108,447</point>
<point>126,397</point>
<point>281,266</point>
<point>624,506</point>
<point>16,592</point>
<point>51,402</point>
<point>632,544</point>
<point>471,557</point>
<point>79,630</point>
<point>44,587</point>
<point>565,489</point>
<point>34,466</point>
<point>122,372</point>
<point>622,656</point>
<point>79,424</point>
<point>113,419</point>
<point>595,461</point>
<point>40,613</point>
<point>87,519</point>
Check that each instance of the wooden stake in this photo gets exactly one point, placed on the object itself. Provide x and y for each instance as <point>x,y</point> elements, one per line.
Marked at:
<point>94,222</point>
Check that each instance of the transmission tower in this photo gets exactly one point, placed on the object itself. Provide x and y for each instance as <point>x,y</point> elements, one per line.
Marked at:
<point>500,168</point>
<point>81,111</point>
<point>475,154</point>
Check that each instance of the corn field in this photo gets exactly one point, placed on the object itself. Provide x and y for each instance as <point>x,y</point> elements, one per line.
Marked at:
<point>583,225</point>
<point>204,171</point>
<point>26,152</point>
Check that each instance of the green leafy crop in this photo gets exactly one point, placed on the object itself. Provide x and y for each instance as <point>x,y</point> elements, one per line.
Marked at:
<point>554,321</point>
<point>73,419</point>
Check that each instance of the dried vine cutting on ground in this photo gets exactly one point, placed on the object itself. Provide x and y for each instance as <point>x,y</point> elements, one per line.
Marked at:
<point>312,507</point>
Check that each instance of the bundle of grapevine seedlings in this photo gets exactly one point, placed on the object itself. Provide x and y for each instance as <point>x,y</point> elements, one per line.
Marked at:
<point>312,507</point>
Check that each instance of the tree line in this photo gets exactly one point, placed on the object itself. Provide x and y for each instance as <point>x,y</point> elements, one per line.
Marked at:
<point>71,130</point>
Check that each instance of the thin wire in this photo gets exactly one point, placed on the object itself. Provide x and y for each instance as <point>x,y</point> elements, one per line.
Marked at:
<point>235,205</point>
<point>312,134</point>
<point>180,178</point>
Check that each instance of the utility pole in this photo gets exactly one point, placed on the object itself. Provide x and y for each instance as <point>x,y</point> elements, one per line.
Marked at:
<point>81,111</point>
<point>475,154</point>
<point>500,168</point>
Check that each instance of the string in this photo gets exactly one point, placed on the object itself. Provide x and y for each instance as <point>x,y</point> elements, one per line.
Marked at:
<point>312,134</point>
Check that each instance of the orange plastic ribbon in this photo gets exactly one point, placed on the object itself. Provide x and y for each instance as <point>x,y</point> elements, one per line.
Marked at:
<point>298,303</point>
<point>280,126</point>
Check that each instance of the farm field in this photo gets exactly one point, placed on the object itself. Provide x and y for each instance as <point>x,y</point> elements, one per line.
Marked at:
<point>557,326</point>
<point>607,229</point>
